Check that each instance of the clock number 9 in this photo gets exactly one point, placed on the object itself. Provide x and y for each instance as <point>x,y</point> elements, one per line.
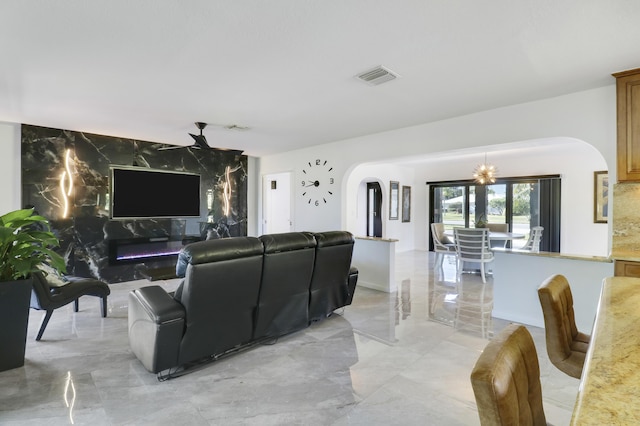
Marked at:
<point>302,183</point>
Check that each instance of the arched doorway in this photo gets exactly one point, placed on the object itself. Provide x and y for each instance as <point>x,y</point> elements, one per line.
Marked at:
<point>374,210</point>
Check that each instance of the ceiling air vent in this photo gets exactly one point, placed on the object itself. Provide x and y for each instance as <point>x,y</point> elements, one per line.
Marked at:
<point>377,76</point>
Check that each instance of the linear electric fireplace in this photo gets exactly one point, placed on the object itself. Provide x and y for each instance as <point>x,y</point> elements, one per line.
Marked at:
<point>140,250</point>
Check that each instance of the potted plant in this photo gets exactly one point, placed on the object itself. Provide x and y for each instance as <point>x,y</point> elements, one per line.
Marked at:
<point>482,221</point>
<point>26,242</point>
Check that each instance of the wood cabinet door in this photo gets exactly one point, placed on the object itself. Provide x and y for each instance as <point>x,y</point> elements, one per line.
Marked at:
<point>628,124</point>
<point>624,268</point>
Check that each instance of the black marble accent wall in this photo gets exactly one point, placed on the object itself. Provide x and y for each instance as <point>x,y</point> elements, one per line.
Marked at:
<point>86,228</point>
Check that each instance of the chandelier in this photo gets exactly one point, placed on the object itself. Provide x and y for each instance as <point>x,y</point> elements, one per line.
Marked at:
<point>485,173</point>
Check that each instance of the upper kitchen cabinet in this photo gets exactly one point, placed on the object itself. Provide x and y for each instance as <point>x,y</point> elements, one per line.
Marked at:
<point>628,110</point>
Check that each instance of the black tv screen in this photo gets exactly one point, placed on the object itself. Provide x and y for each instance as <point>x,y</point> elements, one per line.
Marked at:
<point>138,192</point>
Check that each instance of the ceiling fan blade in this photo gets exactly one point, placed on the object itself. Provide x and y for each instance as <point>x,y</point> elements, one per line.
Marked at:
<point>201,141</point>
<point>230,150</point>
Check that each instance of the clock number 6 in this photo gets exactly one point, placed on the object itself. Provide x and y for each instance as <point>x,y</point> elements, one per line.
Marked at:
<point>317,203</point>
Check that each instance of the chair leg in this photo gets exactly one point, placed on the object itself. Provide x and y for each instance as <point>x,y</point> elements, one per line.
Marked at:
<point>103,307</point>
<point>76,305</point>
<point>43,325</point>
<point>484,280</point>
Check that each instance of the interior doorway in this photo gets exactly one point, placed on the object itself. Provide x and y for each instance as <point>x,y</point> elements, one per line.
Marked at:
<point>277,202</point>
<point>374,210</point>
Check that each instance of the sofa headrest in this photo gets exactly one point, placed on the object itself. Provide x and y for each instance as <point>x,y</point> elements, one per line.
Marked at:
<point>333,238</point>
<point>274,243</point>
<point>216,251</point>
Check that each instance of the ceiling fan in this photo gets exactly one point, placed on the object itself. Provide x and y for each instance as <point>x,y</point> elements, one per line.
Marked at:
<point>200,142</point>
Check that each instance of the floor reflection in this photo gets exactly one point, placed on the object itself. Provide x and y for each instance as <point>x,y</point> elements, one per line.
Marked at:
<point>404,300</point>
<point>462,300</point>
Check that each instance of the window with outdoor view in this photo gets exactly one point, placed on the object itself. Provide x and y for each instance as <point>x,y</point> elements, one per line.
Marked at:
<point>521,203</point>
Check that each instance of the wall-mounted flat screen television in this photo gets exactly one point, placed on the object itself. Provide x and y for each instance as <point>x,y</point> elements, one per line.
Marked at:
<point>138,192</point>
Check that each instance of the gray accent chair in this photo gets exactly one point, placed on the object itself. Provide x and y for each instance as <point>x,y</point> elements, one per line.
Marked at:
<point>48,295</point>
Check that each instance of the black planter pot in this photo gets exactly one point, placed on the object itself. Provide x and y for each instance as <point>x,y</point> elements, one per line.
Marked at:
<point>14,318</point>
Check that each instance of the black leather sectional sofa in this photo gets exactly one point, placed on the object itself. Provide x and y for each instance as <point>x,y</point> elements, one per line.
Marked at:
<point>239,291</point>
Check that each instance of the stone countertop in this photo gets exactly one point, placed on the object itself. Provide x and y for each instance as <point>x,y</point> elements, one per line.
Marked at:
<point>609,391</point>
<point>386,240</point>
<point>555,255</point>
<point>630,256</point>
<point>625,238</point>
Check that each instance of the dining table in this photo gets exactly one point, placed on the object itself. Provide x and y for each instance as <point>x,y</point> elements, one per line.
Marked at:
<point>505,236</point>
<point>496,235</point>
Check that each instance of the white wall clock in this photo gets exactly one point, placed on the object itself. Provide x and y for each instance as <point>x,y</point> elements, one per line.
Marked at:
<point>318,182</point>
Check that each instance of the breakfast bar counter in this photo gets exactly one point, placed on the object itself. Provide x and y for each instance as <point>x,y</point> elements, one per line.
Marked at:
<point>609,390</point>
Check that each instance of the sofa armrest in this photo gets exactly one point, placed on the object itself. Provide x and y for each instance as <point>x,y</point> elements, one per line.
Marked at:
<point>156,326</point>
<point>159,305</point>
<point>351,283</point>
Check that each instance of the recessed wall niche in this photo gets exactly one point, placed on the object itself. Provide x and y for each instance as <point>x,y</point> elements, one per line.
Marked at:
<point>65,176</point>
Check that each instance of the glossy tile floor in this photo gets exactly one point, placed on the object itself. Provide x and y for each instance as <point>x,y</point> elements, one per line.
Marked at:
<point>388,359</point>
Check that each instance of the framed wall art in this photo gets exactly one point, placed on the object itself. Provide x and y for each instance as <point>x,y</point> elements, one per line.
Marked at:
<point>394,200</point>
<point>600,197</point>
<point>406,204</point>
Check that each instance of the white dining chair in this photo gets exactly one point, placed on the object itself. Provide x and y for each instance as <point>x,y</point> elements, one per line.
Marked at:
<point>533,243</point>
<point>442,245</point>
<point>472,245</point>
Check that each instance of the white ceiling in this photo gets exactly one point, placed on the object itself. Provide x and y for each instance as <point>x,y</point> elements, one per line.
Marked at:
<point>148,69</point>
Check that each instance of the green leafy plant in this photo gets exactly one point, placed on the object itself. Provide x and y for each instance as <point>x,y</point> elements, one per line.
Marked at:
<point>482,221</point>
<point>26,242</point>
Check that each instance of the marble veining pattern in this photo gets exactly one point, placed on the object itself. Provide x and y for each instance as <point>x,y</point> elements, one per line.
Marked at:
<point>625,242</point>
<point>84,234</point>
<point>388,359</point>
<point>609,392</point>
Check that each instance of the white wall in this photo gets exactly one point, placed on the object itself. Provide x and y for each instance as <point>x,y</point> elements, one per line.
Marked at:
<point>515,295</point>
<point>357,206</point>
<point>253,203</point>
<point>588,116</point>
<point>10,170</point>
<point>308,217</point>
